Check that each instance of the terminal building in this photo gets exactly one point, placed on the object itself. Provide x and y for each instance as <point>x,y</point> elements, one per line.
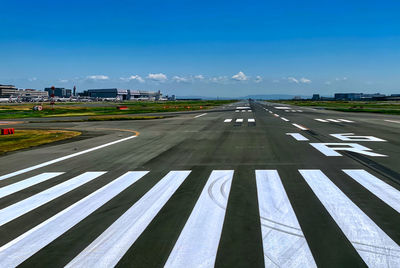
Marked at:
<point>59,92</point>
<point>7,91</point>
<point>10,91</point>
<point>122,94</point>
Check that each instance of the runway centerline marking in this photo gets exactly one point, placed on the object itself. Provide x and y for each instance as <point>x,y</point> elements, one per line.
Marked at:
<point>18,186</point>
<point>375,247</point>
<point>197,116</point>
<point>115,241</point>
<point>299,126</point>
<point>197,244</point>
<point>297,136</point>
<point>321,120</point>
<point>21,248</point>
<point>284,119</point>
<point>283,240</point>
<point>392,121</point>
<point>18,172</point>
<point>377,187</point>
<point>22,207</point>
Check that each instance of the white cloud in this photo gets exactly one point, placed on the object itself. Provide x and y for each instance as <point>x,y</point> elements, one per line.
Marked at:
<point>97,77</point>
<point>218,79</point>
<point>199,76</point>
<point>133,77</point>
<point>302,80</point>
<point>32,79</point>
<point>180,79</point>
<point>258,79</point>
<point>293,80</point>
<point>63,80</point>
<point>240,76</point>
<point>305,80</point>
<point>160,77</point>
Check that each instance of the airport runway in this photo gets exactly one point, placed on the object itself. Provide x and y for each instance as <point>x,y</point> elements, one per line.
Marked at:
<point>254,184</point>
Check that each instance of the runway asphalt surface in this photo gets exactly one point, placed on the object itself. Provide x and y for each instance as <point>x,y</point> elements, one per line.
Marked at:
<point>252,184</point>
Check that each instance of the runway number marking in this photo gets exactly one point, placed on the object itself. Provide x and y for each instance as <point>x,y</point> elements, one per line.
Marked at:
<point>330,149</point>
<point>351,137</point>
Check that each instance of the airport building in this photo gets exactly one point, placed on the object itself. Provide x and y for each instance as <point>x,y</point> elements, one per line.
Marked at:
<point>122,94</point>
<point>348,96</point>
<point>59,92</point>
<point>7,91</point>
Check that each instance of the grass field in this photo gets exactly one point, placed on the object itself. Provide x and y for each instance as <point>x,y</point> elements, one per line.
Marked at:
<point>29,138</point>
<point>13,111</point>
<point>386,107</point>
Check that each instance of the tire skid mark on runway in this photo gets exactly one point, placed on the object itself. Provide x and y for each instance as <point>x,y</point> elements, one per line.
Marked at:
<point>9,175</point>
<point>113,243</point>
<point>22,207</point>
<point>29,243</point>
<point>283,240</point>
<point>375,247</point>
<point>197,244</point>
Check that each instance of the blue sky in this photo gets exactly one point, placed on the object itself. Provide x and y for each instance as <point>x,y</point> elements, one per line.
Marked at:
<point>207,48</point>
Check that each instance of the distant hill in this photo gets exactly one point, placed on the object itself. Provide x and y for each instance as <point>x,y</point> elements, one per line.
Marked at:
<point>256,97</point>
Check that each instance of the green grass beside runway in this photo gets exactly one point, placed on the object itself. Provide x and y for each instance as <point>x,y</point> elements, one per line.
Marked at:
<point>384,107</point>
<point>24,110</point>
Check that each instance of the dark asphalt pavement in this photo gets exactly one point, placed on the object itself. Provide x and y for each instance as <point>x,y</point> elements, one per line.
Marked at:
<point>276,189</point>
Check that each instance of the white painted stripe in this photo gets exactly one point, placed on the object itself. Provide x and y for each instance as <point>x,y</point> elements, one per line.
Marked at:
<point>249,111</point>
<point>283,240</point>
<point>293,111</point>
<point>282,108</point>
<point>198,242</point>
<point>197,116</point>
<point>297,136</point>
<point>393,121</point>
<point>382,190</point>
<point>270,112</point>
<point>239,120</point>
<point>300,111</point>
<point>243,111</point>
<point>18,186</point>
<point>62,158</point>
<point>333,120</point>
<point>16,210</point>
<point>299,126</point>
<point>345,120</point>
<point>322,120</point>
<point>227,120</point>
<point>276,115</point>
<point>375,247</point>
<point>114,242</point>
<point>237,111</point>
<point>29,243</point>
<point>251,120</point>
<point>284,119</point>
<point>287,111</point>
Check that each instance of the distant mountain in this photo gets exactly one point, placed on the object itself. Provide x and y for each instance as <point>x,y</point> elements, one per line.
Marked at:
<point>256,97</point>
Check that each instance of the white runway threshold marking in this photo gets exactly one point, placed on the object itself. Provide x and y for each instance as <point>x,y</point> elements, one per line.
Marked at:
<point>283,240</point>
<point>239,120</point>
<point>299,126</point>
<point>16,210</point>
<point>284,119</point>
<point>251,120</point>
<point>21,185</point>
<point>112,244</point>
<point>197,244</point>
<point>321,120</point>
<point>197,116</point>
<point>227,120</point>
<point>297,136</point>
<point>345,120</point>
<point>29,243</point>
<point>375,247</point>
<point>276,115</point>
<point>62,158</point>
<point>379,188</point>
